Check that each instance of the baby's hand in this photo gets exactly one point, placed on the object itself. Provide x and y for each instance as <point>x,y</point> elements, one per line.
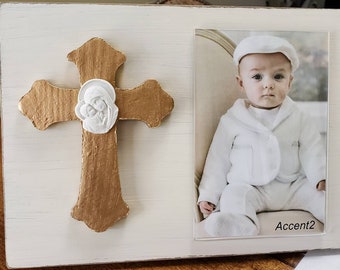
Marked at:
<point>321,185</point>
<point>206,207</point>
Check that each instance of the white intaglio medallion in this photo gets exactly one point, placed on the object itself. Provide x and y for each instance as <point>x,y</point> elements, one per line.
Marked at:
<point>96,106</point>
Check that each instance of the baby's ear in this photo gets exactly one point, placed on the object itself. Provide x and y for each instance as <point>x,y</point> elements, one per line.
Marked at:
<point>239,81</point>
<point>291,80</point>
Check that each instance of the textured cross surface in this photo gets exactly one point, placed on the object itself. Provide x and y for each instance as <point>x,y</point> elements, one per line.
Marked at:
<point>100,203</point>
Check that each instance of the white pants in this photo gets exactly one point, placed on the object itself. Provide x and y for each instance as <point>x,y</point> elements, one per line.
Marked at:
<point>249,200</point>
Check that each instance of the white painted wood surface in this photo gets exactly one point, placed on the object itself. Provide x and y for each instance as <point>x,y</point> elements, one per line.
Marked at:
<point>42,168</point>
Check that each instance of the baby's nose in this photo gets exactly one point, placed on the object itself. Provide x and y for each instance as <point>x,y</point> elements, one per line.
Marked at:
<point>269,84</point>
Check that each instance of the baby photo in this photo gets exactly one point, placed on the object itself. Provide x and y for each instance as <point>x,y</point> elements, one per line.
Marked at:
<point>260,133</point>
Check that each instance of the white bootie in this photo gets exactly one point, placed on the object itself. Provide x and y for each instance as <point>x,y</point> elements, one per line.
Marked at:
<point>227,225</point>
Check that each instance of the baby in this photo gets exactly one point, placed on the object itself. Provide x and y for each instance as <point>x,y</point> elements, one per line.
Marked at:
<point>266,154</point>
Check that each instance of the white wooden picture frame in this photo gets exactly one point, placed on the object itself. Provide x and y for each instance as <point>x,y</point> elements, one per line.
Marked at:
<point>41,169</point>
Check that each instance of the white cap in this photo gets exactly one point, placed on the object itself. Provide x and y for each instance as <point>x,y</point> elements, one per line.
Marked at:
<point>266,44</point>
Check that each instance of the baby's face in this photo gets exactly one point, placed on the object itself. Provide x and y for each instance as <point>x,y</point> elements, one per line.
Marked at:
<point>265,78</point>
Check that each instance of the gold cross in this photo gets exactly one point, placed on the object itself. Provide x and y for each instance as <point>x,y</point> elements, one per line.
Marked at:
<point>100,203</point>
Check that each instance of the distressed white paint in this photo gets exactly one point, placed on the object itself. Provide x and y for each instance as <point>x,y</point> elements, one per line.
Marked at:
<point>42,168</point>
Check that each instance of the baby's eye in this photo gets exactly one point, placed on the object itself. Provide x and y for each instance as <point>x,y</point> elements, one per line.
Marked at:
<point>257,77</point>
<point>279,76</point>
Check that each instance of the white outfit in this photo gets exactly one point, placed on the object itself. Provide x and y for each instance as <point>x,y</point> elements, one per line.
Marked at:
<point>257,165</point>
